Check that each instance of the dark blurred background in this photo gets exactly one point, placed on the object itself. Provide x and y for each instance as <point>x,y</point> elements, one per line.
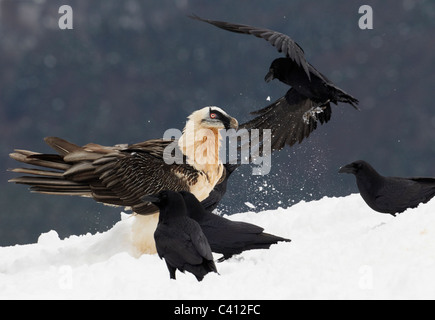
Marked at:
<point>131,69</point>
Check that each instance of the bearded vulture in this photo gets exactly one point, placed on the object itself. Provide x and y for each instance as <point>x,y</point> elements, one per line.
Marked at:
<point>122,175</point>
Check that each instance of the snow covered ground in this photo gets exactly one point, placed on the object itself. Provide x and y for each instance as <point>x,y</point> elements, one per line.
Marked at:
<point>340,249</point>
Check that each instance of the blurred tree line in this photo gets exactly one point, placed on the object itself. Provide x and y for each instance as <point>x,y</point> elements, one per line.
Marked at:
<point>131,69</point>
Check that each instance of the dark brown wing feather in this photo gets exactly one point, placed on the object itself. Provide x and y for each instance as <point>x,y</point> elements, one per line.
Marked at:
<point>119,175</point>
<point>135,174</point>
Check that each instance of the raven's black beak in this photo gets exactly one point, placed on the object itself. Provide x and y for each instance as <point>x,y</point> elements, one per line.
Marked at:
<point>269,76</point>
<point>151,198</point>
<point>347,169</point>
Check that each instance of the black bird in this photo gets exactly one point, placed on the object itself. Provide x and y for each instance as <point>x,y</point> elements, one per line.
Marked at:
<point>225,236</point>
<point>219,190</point>
<point>295,115</point>
<point>389,194</point>
<point>179,239</point>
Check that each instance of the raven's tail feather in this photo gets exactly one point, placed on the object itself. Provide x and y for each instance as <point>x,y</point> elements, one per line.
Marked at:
<point>201,270</point>
<point>265,240</point>
<point>344,97</point>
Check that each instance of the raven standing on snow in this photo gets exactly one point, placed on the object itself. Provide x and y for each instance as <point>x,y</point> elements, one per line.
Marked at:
<point>226,236</point>
<point>179,239</point>
<point>294,116</point>
<point>389,194</point>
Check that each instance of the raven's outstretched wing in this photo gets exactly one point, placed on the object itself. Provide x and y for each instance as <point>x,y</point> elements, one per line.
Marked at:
<point>282,42</point>
<point>291,118</point>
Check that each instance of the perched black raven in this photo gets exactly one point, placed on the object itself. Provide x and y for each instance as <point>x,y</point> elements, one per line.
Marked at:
<point>179,239</point>
<point>294,116</point>
<point>226,236</point>
<point>389,194</point>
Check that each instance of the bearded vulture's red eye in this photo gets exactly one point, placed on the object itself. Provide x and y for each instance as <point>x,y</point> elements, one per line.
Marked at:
<point>212,115</point>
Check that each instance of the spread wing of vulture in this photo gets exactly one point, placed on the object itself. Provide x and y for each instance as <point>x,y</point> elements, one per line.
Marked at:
<point>122,175</point>
<point>111,175</point>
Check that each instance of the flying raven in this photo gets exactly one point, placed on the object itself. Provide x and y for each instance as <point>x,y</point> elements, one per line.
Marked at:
<point>294,116</point>
<point>179,239</point>
<point>389,194</point>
